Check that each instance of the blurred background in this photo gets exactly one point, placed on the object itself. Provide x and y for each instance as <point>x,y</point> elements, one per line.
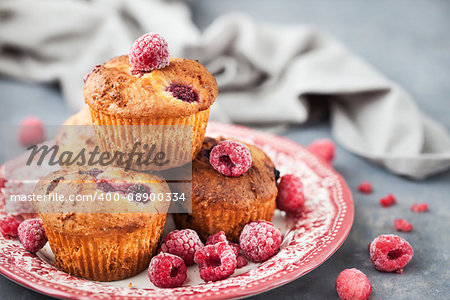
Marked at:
<point>406,40</point>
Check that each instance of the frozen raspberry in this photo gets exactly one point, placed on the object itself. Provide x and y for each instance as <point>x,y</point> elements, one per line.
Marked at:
<point>167,270</point>
<point>31,131</point>
<point>221,237</point>
<point>8,227</point>
<point>290,196</point>
<point>241,261</point>
<point>32,234</point>
<point>149,52</point>
<point>390,253</point>
<point>183,92</point>
<point>365,187</point>
<point>387,201</point>
<point>352,284</point>
<point>231,158</point>
<point>419,208</point>
<point>323,148</point>
<point>215,262</point>
<point>259,240</point>
<point>402,225</point>
<point>183,243</point>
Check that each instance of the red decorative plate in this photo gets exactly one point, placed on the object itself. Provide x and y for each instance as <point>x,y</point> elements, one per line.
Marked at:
<point>309,240</point>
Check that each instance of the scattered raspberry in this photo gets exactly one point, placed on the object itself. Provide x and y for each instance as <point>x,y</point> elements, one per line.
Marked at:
<point>323,148</point>
<point>183,243</point>
<point>259,240</point>
<point>352,284</point>
<point>8,227</point>
<point>387,201</point>
<point>2,182</point>
<point>31,131</point>
<point>183,92</point>
<point>221,237</point>
<point>149,52</point>
<point>215,262</point>
<point>390,253</point>
<point>167,270</point>
<point>231,158</point>
<point>365,187</point>
<point>290,196</point>
<point>241,261</point>
<point>419,208</point>
<point>402,225</point>
<point>32,234</point>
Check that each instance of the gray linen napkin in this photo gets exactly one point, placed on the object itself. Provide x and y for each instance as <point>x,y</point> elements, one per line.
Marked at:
<point>265,72</point>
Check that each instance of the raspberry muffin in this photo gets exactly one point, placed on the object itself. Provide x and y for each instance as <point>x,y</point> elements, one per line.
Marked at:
<point>97,238</point>
<point>179,93</point>
<point>225,203</point>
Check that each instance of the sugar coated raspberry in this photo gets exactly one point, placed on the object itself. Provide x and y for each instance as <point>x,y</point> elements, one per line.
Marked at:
<point>183,243</point>
<point>352,284</point>
<point>231,158</point>
<point>32,234</point>
<point>167,270</point>
<point>402,225</point>
<point>241,261</point>
<point>387,201</point>
<point>365,187</point>
<point>216,262</point>
<point>419,208</point>
<point>221,237</point>
<point>8,226</point>
<point>259,240</point>
<point>390,253</point>
<point>290,196</point>
<point>149,52</point>
<point>323,148</point>
<point>31,131</point>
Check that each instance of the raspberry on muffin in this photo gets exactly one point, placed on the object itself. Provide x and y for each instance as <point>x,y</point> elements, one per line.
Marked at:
<point>223,203</point>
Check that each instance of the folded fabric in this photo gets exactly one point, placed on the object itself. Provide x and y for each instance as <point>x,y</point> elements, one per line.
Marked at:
<point>267,71</point>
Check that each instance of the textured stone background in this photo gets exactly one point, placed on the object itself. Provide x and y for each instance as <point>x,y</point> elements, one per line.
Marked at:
<point>409,41</point>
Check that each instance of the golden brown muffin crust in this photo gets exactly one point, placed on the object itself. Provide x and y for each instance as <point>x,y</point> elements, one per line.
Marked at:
<point>113,90</point>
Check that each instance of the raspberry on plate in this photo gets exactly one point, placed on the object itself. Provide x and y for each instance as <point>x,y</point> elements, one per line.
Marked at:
<point>8,226</point>
<point>419,208</point>
<point>216,262</point>
<point>221,237</point>
<point>290,196</point>
<point>231,158</point>
<point>352,284</point>
<point>167,270</point>
<point>32,234</point>
<point>365,187</point>
<point>31,131</point>
<point>241,261</point>
<point>183,243</point>
<point>402,225</point>
<point>323,148</point>
<point>260,240</point>
<point>149,52</point>
<point>387,201</point>
<point>390,253</point>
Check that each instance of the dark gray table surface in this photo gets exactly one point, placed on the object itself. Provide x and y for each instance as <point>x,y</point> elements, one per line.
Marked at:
<point>407,40</point>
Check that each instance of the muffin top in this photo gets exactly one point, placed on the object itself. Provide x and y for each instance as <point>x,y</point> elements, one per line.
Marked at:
<point>183,88</point>
<point>211,187</point>
<point>113,200</point>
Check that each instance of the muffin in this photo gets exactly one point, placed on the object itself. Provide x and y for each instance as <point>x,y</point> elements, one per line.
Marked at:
<point>77,133</point>
<point>179,94</point>
<point>101,239</point>
<point>222,203</point>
